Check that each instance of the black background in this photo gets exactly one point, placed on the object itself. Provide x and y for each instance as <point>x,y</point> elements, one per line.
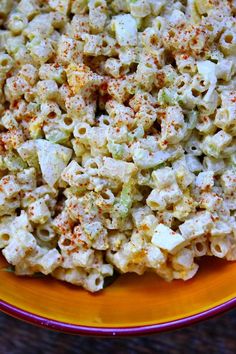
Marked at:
<point>217,335</point>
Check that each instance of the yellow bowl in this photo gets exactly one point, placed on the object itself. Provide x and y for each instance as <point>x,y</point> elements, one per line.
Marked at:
<point>131,305</point>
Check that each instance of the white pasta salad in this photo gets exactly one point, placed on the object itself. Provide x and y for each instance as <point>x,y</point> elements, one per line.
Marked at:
<point>117,137</point>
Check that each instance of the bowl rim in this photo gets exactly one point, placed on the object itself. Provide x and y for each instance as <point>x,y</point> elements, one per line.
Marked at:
<point>70,328</point>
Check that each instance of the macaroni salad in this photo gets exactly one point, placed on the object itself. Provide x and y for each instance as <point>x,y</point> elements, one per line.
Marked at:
<point>117,136</point>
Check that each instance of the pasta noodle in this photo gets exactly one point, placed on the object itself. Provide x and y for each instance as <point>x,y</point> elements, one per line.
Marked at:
<point>117,137</point>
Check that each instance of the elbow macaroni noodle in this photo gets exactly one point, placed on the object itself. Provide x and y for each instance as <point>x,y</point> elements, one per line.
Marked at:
<point>117,137</point>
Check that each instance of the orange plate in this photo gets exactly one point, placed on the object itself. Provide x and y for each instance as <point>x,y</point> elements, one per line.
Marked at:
<point>131,305</point>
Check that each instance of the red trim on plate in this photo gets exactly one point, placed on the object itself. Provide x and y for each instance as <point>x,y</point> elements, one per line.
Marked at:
<point>117,331</point>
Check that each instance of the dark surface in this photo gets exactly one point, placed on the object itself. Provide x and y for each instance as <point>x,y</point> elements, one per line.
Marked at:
<point>216,335</point>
